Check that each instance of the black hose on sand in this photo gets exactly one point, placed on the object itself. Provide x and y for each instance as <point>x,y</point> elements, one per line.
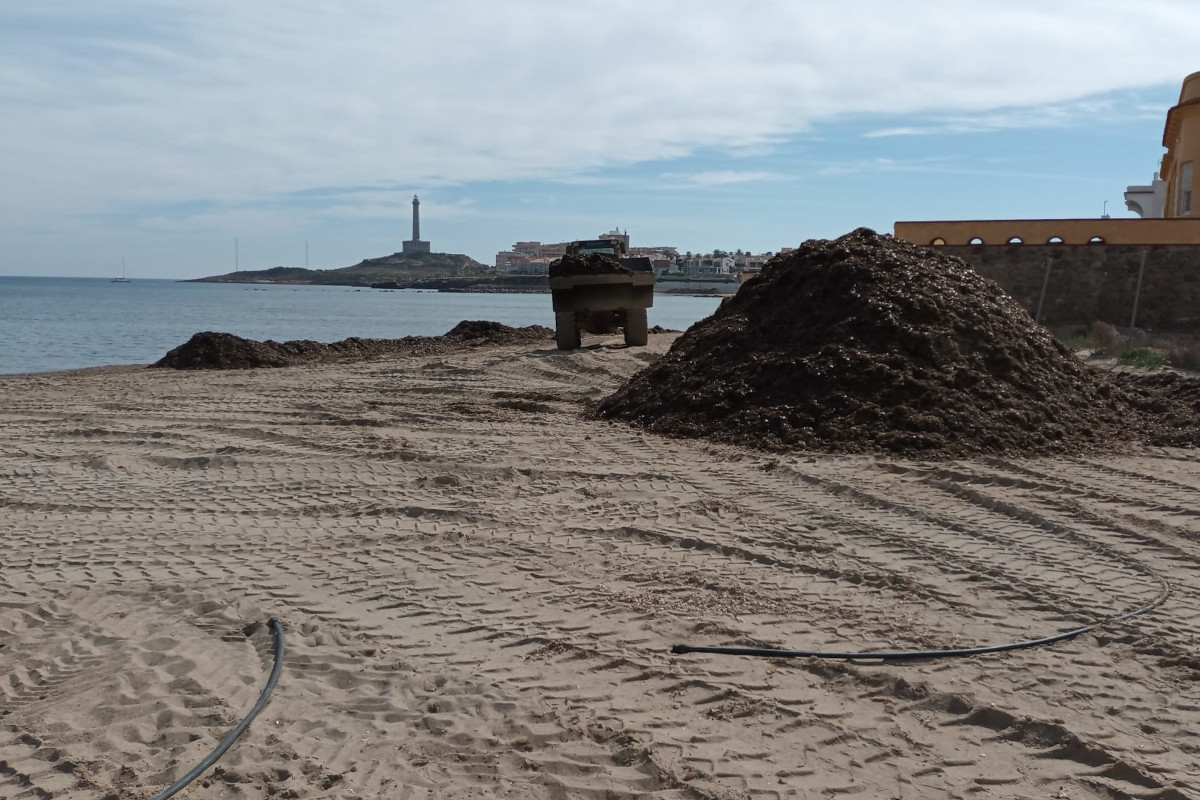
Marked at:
<point>904,655</point>
<point>233,735</point>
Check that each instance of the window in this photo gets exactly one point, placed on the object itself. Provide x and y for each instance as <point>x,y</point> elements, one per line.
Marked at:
<point>1185,190</point>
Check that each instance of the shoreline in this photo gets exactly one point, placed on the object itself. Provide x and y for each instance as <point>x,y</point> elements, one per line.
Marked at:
<point>105,368</point>
<point>416,286</point>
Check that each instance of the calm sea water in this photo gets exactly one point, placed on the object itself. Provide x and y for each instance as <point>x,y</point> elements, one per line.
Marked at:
<point>49,324</point>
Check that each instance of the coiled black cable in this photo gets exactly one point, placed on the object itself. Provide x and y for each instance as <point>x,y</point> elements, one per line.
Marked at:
<point>233,735</point>
<point>903,655</point>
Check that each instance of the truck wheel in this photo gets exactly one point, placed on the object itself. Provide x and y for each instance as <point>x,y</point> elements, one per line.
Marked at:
<point>637,332</point>
<point>566,330</point>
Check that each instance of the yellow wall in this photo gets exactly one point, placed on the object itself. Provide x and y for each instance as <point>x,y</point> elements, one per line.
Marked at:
<point>1040,231</point>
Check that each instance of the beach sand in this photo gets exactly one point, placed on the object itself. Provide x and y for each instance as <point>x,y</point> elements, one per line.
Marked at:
<point>480,590</point>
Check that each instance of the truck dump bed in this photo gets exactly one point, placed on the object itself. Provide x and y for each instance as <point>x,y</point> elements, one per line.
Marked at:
<point>599,294</point>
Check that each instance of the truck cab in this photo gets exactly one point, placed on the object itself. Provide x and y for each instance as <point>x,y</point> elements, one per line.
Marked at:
<point>608,247</point>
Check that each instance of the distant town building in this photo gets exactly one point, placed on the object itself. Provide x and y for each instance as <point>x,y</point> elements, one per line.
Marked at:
<point>707,266</point>
<point>533,258</point>
<point>751,261</point>
<point>657,253</point>
<point>616,236</point>
<point>415,244</point>
<point>1148,202</point>
<point>751,265</point>
<point>529,258</point>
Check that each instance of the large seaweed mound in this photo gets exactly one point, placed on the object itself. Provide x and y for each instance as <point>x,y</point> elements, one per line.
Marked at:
<point>868,343</point>
<point>211,350</point>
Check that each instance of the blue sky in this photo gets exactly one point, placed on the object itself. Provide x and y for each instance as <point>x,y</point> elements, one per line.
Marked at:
<point>162,130</point>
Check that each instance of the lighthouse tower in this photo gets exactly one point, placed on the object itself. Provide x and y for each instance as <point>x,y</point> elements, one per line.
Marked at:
<point>415,245</point>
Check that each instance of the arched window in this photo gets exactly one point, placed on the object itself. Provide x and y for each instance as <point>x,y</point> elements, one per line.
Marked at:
<point>1096,240</point>
<point>1054,240</point>
<point>938,242</point>
<point>976,240</point>
<point>1016,240</point>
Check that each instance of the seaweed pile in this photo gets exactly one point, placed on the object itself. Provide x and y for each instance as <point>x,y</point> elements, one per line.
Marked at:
<point>867,343</point>
<point>211,350</point>
<point>1168,405</point>
<point>590,264</point>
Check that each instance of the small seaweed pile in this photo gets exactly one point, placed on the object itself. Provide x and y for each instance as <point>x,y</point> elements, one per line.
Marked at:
<point>868,343</point>
<point>211,350</point>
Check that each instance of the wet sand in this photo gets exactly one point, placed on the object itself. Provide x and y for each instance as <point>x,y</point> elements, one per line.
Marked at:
<point>480,591</point>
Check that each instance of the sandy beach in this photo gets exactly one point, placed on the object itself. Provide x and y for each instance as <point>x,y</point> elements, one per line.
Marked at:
<point>480,589</point>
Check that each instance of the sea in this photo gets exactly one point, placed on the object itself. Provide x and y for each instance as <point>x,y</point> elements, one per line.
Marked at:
<point>54,324</point>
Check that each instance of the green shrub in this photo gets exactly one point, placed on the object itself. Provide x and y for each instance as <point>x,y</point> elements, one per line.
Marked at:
<point>1143,357</point>
<point>1079,342</point>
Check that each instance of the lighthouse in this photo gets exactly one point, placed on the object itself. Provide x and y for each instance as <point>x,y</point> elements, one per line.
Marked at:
<point>415,245</point>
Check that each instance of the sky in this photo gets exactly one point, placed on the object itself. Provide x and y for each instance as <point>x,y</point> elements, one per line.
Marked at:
<point>189,137</point>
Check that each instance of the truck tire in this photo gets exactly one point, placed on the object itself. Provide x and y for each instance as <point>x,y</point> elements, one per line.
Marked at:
<point>637,332</point>
<point>566,330</point>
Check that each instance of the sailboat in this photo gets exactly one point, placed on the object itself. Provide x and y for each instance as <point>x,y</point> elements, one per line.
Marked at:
<point>121,279</point>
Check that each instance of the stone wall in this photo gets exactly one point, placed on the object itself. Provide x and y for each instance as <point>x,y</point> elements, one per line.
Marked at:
<point>1096,282</point>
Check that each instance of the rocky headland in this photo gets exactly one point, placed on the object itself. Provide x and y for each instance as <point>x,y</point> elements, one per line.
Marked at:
<point>399,270</point>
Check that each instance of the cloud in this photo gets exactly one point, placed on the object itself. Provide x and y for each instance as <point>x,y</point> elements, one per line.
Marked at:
<point>880,164</point>
<point>284,215</point>
<point>1093,111</point>
<point>725,177</point>
<point>672,180</point>
<point>906,130</point>
<point>134,103</point>
<point>263,221</point>
<point>393,206</point>
<point>947,165</point>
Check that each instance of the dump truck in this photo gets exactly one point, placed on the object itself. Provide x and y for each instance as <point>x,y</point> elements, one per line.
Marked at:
<point>595,288</point>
